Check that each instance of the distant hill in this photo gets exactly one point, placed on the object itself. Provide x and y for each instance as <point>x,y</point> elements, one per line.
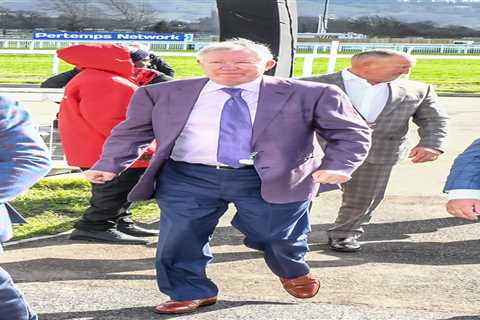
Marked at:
<point>443,12</point>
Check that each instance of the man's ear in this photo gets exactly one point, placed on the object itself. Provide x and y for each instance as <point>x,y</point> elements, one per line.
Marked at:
<point>270,64</point>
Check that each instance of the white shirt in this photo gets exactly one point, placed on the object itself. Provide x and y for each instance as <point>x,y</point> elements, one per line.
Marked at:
<point>198,141</point>
<point>368,99</point>
<point>463,194</point>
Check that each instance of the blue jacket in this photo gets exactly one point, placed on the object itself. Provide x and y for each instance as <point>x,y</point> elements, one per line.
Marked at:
<point>24,157</point>
<point>465,172</point>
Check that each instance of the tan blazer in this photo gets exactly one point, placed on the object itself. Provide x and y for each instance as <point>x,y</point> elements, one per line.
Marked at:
<point>407,100</point>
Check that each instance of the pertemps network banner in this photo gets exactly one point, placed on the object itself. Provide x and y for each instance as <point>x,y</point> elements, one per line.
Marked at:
<point>112,36</point>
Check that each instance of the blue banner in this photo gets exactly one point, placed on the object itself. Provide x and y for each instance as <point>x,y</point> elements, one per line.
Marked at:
<point>112,36</point>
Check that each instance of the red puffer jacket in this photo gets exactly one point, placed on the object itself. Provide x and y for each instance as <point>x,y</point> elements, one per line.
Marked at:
<point>95,100</point>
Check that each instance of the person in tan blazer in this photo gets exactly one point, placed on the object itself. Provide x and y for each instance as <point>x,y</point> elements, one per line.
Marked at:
<point>387,103</point>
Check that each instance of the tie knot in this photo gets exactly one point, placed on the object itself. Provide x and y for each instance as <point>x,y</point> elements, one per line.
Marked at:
<point>234,92</point>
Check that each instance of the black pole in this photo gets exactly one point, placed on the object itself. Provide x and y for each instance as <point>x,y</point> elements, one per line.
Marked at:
<point>271,22</point>
<point>324,16</point>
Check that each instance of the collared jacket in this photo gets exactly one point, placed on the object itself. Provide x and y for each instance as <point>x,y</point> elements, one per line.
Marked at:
<point>95,100</point>
<point>465,172</point>
<point>289,114</point>
<point>408,100</point>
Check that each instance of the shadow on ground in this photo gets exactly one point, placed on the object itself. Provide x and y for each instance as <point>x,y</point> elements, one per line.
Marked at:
<point>147,312</point>
<point>399,252</point>
<point>464,318</point>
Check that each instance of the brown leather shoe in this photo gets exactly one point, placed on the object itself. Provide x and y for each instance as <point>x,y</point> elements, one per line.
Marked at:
<point>301,287</point>
<point>185,306</point>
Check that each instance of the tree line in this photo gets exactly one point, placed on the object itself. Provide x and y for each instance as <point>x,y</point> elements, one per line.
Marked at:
<point>379,26</point>
<point>128,15</point>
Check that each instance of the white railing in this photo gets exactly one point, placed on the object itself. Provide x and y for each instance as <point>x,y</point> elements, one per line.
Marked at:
<point>53,45</point>
<point>34,94</point>
<point>302,47</point>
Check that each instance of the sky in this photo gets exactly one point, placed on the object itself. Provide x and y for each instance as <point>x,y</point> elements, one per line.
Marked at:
<point>443,12</point>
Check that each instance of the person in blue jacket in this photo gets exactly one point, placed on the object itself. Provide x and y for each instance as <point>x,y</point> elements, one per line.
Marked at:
<point>24,159</point>
<point>463,184</point>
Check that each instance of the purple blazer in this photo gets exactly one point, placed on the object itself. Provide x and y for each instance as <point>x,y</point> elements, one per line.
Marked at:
<point>289,114</point>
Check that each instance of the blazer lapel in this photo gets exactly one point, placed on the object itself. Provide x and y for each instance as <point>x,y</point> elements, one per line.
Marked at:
<point>397,94</point>
<point>272,98</point>
<point>337,80</point>
<point>181,102</point>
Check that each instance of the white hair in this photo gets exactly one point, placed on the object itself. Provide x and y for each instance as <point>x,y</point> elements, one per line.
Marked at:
<point>260,50</point>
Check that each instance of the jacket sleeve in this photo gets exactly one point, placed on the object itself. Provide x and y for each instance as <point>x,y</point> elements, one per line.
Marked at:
<point>24,157</point>
<point>60,80</point>
<point>346,134</point>
<point>432,121</point>
<point>465,171</point>
<point>130,137</point>
<point>160,78</point>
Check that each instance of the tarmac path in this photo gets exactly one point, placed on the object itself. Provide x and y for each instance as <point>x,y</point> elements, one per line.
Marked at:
<point>417,262</point>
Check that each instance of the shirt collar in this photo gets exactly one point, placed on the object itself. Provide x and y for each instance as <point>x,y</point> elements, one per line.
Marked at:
<point>347,75</point>
<point>252,86</point>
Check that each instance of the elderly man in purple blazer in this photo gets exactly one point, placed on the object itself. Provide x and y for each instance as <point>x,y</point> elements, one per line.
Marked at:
<point>238,137</point>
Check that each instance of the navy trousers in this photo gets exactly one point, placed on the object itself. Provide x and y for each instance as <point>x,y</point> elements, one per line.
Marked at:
<point>13,305</point>
<point>192,198</point>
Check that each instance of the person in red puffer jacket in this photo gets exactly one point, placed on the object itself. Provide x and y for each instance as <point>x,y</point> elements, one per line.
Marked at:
<point>95,101</point>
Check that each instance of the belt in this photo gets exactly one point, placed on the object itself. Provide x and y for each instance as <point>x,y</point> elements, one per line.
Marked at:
<point>218,167</point>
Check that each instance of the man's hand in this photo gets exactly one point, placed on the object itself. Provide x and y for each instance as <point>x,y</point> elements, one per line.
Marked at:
<point>422,154</point>
<point>100,177</point>
<point>330,176</point>
<point>464,208</point>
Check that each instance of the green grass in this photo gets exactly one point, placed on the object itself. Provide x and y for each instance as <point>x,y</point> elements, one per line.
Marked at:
<point>27,68</point>
<point>185,67</point>
<point>53,205</point>
<point>446,75</point>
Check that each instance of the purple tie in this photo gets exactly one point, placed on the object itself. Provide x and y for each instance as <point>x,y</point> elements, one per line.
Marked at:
<point>235,130</point>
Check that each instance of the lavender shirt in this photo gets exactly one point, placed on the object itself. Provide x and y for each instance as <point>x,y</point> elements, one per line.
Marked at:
<point>194,144</point>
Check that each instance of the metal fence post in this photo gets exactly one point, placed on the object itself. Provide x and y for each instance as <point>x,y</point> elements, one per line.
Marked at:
<point>55,64</point>
<point>332,60</point>
<point>307,65</point>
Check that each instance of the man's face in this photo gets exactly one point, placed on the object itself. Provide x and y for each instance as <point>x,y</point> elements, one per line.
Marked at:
<point>233,67</point>
<point>387,69</point>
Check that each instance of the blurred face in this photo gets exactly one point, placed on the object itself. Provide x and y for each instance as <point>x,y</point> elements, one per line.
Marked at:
<point>233,67</point>
<point>377,70</point>
<point>142,63</point>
